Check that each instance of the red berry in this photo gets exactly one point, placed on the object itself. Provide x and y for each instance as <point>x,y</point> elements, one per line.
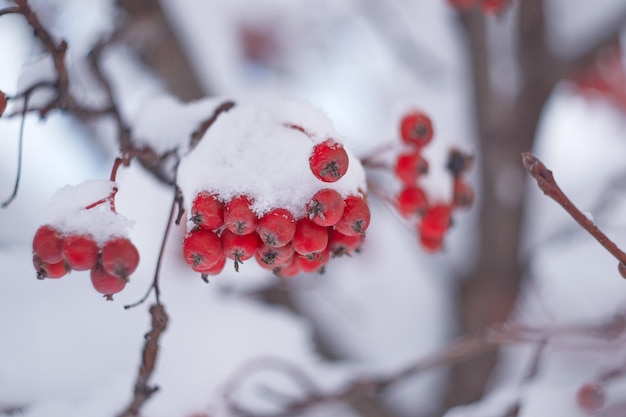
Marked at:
<point>47,270</point>
<point>289,270</point>
<point>356,217</point>
<point>329,161</point>
<point>48,245</point>
<point>409,167</point>
<point>431,243</point>
<point>239,217</point>
<point>463,193</point>
<point>106,283</point>
<point>493,7</point>
<point>314,263</point>
<point>80,252</point>
<point>270,257</point>
<point>326,207</point>
<point>277,227</point>
<point>310,238</point>
<point>207,212</point>
<point>3,103</point>
<point>217,267</point>
<point>340,244</point>
<point>416,129</point>
<point>239,247</point>
<point>202,249</point>
<point>436,221</point>
<point>120,257</point>
<point>591,397</point>
<point>412,200</point>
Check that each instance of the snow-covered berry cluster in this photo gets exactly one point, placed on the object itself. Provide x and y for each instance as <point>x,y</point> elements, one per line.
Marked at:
<point>273,182</point>
<point>493,7</point>
<point>432,218</point>
<point>86,236</point>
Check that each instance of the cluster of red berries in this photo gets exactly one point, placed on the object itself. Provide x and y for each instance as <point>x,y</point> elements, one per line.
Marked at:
<point>55,254</point>
<point>433,218</point>
<point>605,77</point>
<point>333,225</point>
<point>492,7</point>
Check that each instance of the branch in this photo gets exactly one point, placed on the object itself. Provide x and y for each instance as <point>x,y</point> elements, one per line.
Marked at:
<point>143,391</point>
<point>547,184</point>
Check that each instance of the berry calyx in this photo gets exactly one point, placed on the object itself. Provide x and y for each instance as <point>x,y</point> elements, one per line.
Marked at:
<point>410,166</point>
<point>270,257</point>
<point>239,247</point>
<point>80,252</point>
<point>326,207</point>
<point>290,270</point>
<point>591,397</point>
<point>202,250</point>
<point>412,200</point>
<point>340,244</point>
<point>105,283</point>
<point>48,270</point>
<point>207,212</point>
<point>48,245</point>
<point>416,129</point>
<point>239,217</point>
<point>310,238</point>
<point>356,217</point>
<point>277,227</point>
<point>316,262</point>
<point>120,257</point>
<point>329,161</point>
<point>3,103</point>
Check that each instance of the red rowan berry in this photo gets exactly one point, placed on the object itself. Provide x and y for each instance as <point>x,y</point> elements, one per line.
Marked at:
<point>49,270</point>
<point>326,207</point>
<point>436,221</point>
<point>80,252</point>
<point>409,167</point>
<point>340,244</point>
<point>591,397</point>
<point>412,200</point>
<point>239,247</point>
<point>106,283</point>
<point>202,249</point>
<point>356,217</point>
<point>493,7</point>
<point>309,238</point>
<point>270,257</point>
<point>463,194</point>
<point>207,212</point>
<point>431,243</point>
<point>48,245</point>
<point>289,270</point>
<point>416,129</point>
<point>120,257</point>
<point>3,103</point>
<point>329,161</point>
<point>216,268</point>
<point>277,227</point>
<point>239,217</point>
<point>314,263</point>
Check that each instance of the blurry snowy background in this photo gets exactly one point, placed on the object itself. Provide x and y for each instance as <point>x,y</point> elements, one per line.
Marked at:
<point>64,351</point>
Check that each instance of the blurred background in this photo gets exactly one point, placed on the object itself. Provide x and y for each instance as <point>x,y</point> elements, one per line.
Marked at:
<point>546,76</point>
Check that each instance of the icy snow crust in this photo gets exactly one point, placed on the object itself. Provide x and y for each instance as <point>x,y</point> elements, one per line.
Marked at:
<point>253,149</point>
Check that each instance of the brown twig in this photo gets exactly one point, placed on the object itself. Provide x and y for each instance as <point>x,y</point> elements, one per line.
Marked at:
<point>20,149</point>
<point>142,391</point>
<point>547,184</point>
<point>197,135</point>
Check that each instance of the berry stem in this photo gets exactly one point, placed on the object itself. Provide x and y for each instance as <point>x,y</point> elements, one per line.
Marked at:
<point>20,150</point>
<point>547,184</point>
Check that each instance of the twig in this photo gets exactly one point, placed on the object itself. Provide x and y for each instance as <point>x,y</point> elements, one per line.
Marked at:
<point>143,391</point>
<point>20,149</point>
<point>197,135</point>
<point>547,184</point>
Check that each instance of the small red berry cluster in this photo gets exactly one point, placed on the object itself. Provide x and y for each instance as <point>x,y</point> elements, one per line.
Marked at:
<point>492,7</point>
<point>604,77</point>
<point>55,254</point>
<point>433,219</point>
<point>333,225</point>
